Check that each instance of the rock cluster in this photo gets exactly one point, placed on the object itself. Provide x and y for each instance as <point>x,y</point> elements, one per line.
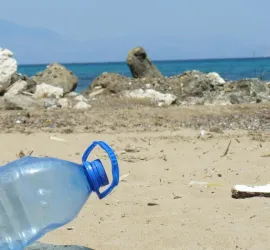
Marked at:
<point>52,88</point>
<point>58,76</point>
<point>55,86</point>
<point>189,88</point>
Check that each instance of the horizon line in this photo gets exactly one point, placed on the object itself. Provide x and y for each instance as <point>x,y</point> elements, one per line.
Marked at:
<point>158,60</point>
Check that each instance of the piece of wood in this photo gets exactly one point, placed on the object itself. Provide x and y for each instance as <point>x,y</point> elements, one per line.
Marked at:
<point>227,149</point>
<point>265,155</point>
<point>243,191</point>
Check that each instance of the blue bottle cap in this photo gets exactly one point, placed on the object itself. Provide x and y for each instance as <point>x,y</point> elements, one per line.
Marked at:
<point>96,174</point>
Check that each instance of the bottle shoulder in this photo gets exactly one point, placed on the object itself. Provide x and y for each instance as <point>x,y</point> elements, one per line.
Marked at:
<point>29,166</point>
<point>31,161</point>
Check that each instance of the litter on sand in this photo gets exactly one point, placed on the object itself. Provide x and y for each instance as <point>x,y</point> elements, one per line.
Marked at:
<point>123,177</point>
<point>265,155</point>
<point>204,184</point>
<point>57,139</point>
<point>243,191</point>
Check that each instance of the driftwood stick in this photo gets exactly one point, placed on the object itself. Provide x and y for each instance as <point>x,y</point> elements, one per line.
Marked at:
<point>243,191</point>
<point>227,149</point>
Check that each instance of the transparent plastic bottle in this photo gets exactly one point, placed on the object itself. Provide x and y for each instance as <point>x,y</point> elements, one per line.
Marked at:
<point>40,194</point>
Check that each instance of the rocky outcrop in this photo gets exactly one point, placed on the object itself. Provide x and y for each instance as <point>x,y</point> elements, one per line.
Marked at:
<point>194,84</point>
<point>58,76</point>
<point>195,87</point>
<point>247,91</point>
<point>54,88</point>
<point>140,65</point>
<point>191,87</point>
<point>8,67</point>
<point>198,88</point>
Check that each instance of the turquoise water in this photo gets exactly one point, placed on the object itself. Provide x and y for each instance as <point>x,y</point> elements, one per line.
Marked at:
<point>230,69</point>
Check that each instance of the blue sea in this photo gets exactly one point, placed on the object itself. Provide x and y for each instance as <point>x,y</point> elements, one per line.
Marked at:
<point>229,69</point>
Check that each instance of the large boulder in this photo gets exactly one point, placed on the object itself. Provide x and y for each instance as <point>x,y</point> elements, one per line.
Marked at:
<point>112,82</point>
<point>8,67</point>
<point>57,75</point>
<point>140,65</point>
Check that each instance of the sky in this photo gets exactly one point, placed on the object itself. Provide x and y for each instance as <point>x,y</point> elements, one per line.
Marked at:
<point>173,29</point>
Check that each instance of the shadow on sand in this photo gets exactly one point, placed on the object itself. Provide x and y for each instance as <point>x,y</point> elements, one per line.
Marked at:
<point>43,246</point>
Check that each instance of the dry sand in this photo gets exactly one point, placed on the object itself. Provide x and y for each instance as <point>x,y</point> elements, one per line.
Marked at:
<point>154,207</point>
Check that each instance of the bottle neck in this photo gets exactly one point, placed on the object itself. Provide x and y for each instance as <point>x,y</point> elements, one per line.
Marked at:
<point>96,175</point>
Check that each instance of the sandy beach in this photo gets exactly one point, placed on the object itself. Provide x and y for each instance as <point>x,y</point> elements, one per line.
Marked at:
<point>181,93</point>
<point>154,207</point>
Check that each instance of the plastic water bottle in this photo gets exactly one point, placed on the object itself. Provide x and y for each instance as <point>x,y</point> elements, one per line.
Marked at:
<point>40,194</point>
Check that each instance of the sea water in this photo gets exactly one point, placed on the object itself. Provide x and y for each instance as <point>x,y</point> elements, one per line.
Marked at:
<point>229,69</point>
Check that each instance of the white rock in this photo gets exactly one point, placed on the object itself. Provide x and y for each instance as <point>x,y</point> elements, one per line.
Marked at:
<point>72,94</point>
<point>148,85</point>
<point>44,90</point>
<point>98,87</point>
<point>95,93</point>
<point>8,67</point>
<point>82,105</point>
<point>17,88</point>
<point>151,94</point>
<point>64,103</point>
<point>216,78</point>
<point>80,98</point>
